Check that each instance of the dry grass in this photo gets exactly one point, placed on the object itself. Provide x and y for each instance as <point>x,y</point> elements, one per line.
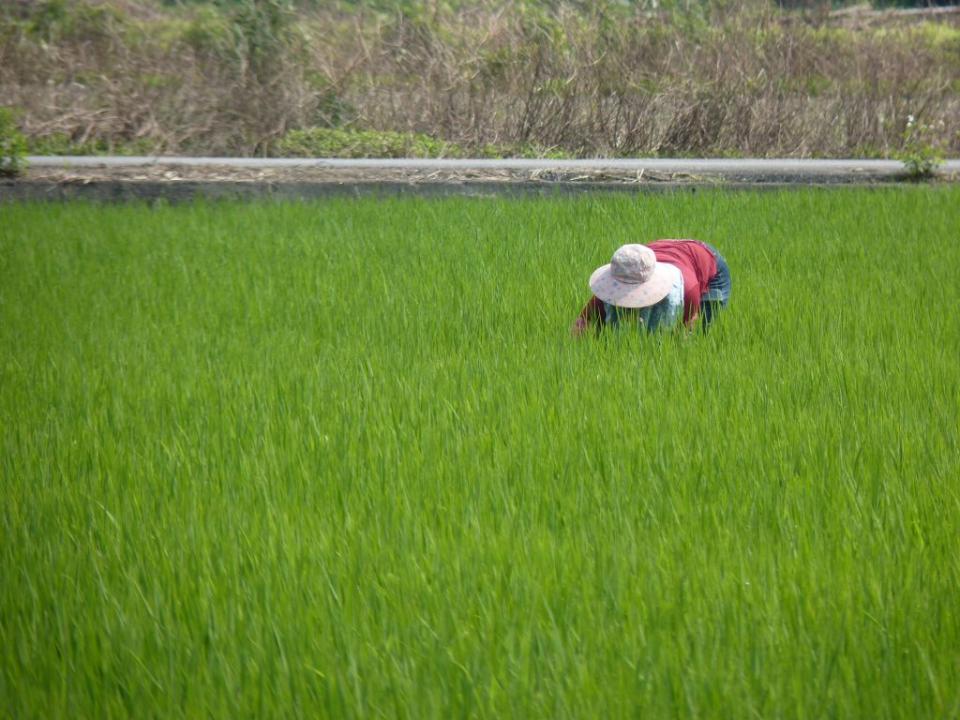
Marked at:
<point>752,82</point>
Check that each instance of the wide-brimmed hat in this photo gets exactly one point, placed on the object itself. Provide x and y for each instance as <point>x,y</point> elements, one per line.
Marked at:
<point>632,279</point>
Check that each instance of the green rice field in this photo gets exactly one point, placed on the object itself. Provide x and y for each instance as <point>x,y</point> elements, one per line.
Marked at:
<point>343,459</point>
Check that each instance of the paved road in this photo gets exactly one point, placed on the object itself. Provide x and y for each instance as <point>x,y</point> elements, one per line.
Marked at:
<point>741,168</point>
<point>182,178</point>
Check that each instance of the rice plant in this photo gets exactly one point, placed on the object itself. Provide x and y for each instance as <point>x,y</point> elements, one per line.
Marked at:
<point>343,459</point>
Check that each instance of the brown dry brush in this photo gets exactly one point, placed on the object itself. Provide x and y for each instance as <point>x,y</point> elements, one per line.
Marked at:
<point>601,82</point>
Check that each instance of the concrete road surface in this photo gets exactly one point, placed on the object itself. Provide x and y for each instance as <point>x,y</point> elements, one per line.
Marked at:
<point>183,178</point>
<point>734,167</point>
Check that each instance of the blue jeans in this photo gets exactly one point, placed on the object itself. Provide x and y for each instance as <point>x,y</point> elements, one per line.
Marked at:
<point>718,290</point>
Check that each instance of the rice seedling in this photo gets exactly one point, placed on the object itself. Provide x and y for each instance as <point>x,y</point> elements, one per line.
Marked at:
<point>342,459</point>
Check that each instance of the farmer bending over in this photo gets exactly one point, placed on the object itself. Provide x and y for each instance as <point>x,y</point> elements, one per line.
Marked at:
<point>651,285</point>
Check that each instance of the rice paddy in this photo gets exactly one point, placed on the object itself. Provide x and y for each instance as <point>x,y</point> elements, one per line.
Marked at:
<point>344,460</point>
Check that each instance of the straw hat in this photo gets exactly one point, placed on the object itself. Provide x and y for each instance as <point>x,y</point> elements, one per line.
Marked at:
<point>633,279</point>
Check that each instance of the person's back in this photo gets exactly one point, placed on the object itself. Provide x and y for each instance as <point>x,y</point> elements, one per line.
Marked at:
<point>696,263</point>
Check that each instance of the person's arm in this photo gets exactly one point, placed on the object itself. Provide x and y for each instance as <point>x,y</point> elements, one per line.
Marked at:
<point>592,312</point>
<point>691,304</point>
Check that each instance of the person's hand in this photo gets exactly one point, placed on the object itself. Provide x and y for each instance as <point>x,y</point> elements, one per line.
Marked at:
<point>578,328</point>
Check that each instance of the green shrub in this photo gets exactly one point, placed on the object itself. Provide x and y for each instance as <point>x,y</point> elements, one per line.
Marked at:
<point>13,146</point>
<point>331,109</point>
<point>59,20</point>
<point>63,144</point>
<point>341,143</point>
<point>522,150</point>
<point>261,33</point>
<point>209,32</point>
<point>921,153</point>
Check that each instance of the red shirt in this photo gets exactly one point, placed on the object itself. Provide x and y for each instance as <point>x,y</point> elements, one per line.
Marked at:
<point>697,265</point>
